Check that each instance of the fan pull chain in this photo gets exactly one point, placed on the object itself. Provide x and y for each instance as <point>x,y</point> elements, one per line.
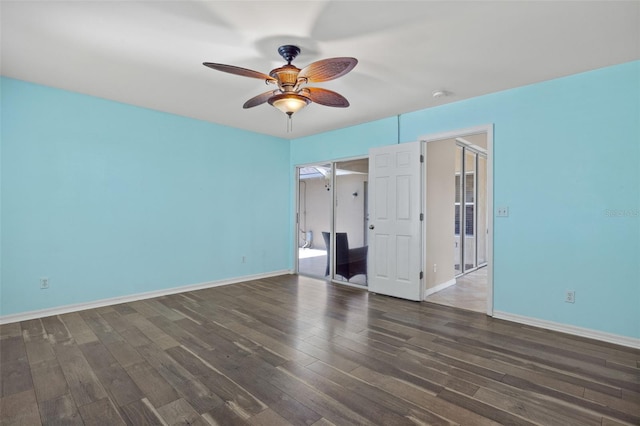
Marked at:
<point>289,123</point>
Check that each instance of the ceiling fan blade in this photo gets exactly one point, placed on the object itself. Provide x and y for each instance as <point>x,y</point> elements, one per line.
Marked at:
<point>325,97</point>
<point>231,69</point>
<point>260,99</point>
<point>327,69</point>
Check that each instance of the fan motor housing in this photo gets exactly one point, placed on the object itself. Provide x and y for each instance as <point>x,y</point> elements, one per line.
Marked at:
<point>287,75</point>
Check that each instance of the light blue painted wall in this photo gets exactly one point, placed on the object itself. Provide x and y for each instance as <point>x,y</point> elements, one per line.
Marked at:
<point>344,143</point>
<point>109,200</point>
<point>566,155</point>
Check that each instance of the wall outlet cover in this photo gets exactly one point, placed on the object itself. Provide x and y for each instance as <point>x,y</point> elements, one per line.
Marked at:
<point>502,212</point>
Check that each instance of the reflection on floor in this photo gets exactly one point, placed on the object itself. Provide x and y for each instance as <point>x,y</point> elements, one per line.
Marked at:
<point>306,253</point>
<point>313,262</point>
<point>469,292</point>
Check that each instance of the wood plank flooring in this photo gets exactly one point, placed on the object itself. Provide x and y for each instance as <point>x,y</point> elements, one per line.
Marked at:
<point>293,350</point>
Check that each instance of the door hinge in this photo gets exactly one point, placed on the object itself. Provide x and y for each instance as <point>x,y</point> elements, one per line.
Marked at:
<point>421,158</point>
<point>297,217</point>
<point>421,274</point>
<point>421,217</point>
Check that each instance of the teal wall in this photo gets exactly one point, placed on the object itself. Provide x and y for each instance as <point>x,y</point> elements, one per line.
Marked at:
<point>110,200</point>
<point>567,164</point>
<point>344,143</point>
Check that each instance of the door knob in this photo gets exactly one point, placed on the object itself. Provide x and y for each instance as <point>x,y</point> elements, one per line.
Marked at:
<point>371,226</point>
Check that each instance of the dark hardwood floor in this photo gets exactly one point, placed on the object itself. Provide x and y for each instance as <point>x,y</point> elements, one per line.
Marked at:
<point>295,350</point>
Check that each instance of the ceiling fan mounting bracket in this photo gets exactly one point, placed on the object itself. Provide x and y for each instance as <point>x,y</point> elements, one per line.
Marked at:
<point>289,52</point>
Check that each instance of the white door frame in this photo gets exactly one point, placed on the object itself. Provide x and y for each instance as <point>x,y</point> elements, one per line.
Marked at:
<point>488,129</point>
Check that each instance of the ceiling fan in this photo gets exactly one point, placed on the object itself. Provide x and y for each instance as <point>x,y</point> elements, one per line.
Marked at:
<point>292,95</point>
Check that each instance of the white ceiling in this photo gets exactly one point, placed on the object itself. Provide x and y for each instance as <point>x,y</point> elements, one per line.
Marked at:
<point>150,53</point>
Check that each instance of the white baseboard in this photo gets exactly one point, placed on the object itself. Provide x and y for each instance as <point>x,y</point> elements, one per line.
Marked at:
<point>439,287</point>
<point>570,329</point>
<point>23,316</point>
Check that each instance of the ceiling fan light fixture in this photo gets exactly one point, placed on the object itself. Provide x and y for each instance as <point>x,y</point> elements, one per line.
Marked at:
<point>289,103</point>
<point>291,95</point>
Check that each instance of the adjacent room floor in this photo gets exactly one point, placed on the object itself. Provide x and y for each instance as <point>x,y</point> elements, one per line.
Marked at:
<point>469,292</point>
<point>292,350</point>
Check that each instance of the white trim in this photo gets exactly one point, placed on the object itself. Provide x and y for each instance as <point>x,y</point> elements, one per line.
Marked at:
<point>23,316</point>
<point>425,214</point>
<point>452,134</point>
<point>570,329</point>
<point>439,287</point>
<point>296,219</point>
<point>335,160</point>
<point>491,209</point>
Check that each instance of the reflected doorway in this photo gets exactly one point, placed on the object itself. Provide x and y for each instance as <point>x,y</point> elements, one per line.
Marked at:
<point>332,222</point>
<point>314,215</point>
<point>470,217</point>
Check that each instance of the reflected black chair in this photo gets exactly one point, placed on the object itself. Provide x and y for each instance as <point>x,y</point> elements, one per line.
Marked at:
<point>349,262</point>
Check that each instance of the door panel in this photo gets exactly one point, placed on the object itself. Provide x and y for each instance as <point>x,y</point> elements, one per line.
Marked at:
<point>381,198</point>
<point>395,227</point>
<point>381,255</point>
<point>403,255</point>
<point>403,195</point>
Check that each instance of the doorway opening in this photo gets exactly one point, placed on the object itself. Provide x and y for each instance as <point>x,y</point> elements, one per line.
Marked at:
<point>458,198</point>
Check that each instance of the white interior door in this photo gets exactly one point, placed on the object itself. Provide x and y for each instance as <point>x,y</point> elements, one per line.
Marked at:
<point>395,229</point>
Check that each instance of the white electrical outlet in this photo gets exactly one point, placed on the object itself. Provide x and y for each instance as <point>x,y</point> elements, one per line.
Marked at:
<point>570,296</point>
<point>44,283</point>
<point>503,212</point>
